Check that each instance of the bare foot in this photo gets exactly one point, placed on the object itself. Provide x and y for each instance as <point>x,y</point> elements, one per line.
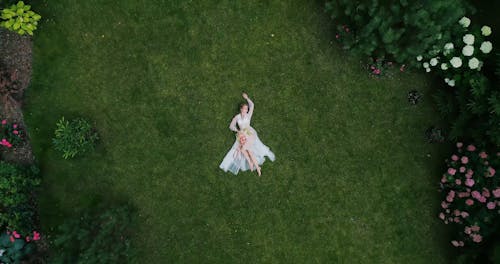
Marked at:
<point>258,170</point>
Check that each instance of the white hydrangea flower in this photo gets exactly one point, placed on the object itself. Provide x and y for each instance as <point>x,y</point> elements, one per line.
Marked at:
<point>468,50</point>
<point>433,62</point>
<point>468,39</point>
<point>486,31</point>
<point>456,62</point>
<point>473,63</point>
<point>451,83</point>
<point>486,47</point>
<point>425,64</point>
<point>419,58</point>
<point>427,70</point>
<point>464,21</point>
<point>1,252</point>
<point>444,66</point>
<point>448,46</point>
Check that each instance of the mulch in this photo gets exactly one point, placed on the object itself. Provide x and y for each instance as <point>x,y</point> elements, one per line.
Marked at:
<point>16,54</point>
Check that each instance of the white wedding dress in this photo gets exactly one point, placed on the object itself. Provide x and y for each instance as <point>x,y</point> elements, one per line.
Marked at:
<point>234,161</point>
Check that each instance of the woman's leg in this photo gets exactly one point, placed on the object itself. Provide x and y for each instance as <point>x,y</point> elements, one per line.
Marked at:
<point>247,157</point>
<point>252,157</point>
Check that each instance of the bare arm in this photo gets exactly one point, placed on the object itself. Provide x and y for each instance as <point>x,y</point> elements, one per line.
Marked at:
<point>250,105</point>
<point>232,126</point>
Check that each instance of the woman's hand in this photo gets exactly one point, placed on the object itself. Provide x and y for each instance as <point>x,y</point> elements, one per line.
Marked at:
<point>245,96</point>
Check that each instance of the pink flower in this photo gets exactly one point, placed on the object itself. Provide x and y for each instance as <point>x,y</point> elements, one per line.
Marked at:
<point>469,182</point>
<point>477,238</point>
<point>28,239</point>
<point>347,29</point>
<point>454,157</point>
<point>456,220</point>
<point>486,192</point>
<point>15,234</point>
<point>496,193</point>
<point>36,236</point>
<point>469,202</point>
<point>461,243</point>
<point>471,147</point>
<point>337,36</point>
<point>482,199</point>
<point>491,205</point>
<point>454,243</point>
<point>491,171</point>
<point>376,71</point>
<point>4,121</point>
<point>459,144</point>
<point>15,132</point>
<point>475,228</point>
<point>465,160</point>
<point>12,239</point>
<point>476,194</point>
<point>458,182</point>
<point>462,169</point>
<point>444,205</point>
<point>456,212</point>
<point>441,216</point>
<point>464,214</point>
<point>443,180</point>
<point>449,198</point>
<point>452,171</point>
<point>468,230</point>
<point>483,155</point>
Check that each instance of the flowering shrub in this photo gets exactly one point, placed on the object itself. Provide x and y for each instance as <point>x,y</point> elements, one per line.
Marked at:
<point>74,137</point>
<point>472,188</point>
<point>461,58</point>
<point>16,187</point>
<point>12,134</point>
<point>14,247</point>
<point>380,67</point>
<point>395,29</point>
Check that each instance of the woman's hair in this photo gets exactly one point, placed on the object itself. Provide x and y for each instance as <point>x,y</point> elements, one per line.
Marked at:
<point>241,105</point>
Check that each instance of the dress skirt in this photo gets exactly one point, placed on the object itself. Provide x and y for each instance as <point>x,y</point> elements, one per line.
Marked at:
<point>234,161</point>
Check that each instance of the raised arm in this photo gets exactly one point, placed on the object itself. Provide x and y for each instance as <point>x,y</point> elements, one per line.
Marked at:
<point>232,126</point>
<point>250,107</point>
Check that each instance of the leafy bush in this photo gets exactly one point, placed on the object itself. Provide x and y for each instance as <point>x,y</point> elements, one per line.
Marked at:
<point>16,187</point>
<point>14,247</point>
<point>472,188</point>
<point>397,29</point>
<point>74,137</point>
<point>94,239</point>
<point>20,18</point>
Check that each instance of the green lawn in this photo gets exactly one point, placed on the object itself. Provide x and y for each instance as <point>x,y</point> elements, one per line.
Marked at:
<point>352,181</point>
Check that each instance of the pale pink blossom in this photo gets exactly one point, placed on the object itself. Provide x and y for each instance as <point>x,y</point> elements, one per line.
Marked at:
<point>455,243</point>
<point>491,171</point>
<point>452,171</point>
<point>462,169</point>
<point>496,193</point>
<point>469,182</point>
<point>441,216</point>
<point>483,155</point>
<point>486,192</point>
<point>469,202</point>
<point>491,205</point>
<point>468,230</point>
<point>464,160</point>
<point>458,182</point>
<point>464,214</point>
<point>459,144</point>
<point>444,204</point>
<point>475,228</point>
<point>454,157</point>
<point>477,238</point>
<point>456,212</point>
<point>471,148</point>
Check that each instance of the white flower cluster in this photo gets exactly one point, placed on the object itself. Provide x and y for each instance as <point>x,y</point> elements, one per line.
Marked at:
<point>464,21</point>
<point>449,82</point>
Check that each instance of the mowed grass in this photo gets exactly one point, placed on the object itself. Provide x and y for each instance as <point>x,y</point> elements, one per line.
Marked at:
<point>353,180</point>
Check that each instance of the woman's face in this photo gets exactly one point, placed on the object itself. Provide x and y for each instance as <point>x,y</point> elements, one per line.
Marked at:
<point>244,109</point>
